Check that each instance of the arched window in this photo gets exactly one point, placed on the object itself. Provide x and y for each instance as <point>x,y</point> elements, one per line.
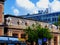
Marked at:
<point>8,20</point>
<point>46,26</point>
<point>18,22</point>
<point>26,23</point>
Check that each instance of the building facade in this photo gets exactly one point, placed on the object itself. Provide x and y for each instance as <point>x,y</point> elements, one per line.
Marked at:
<point>48,17</point>
<point>6,36</point>
<point>1,17</point>
<point>16,26</point>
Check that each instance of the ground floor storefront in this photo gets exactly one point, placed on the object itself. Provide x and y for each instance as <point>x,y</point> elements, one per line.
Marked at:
<point>5,40</point>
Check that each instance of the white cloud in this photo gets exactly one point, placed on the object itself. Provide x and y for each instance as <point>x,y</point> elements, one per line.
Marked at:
<point>42,4</point>
<point>31,7</point>
<point>15,11</point>
<point>55,6</point>
<point>25,3</point>
<point>28,5</point>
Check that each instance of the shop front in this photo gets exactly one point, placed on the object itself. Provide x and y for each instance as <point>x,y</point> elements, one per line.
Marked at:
<point>10,41</point>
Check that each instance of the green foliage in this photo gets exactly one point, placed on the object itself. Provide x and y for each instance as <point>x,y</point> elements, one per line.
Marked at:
<point>59,18</point>
<point>38,32</point>
<point>32,36</point>
<point>44,33</point>
<point>57,23</point>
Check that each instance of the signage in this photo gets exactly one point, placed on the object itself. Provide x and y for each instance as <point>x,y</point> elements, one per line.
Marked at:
<point>8,38</point>
<point>13,39</point>
<point>3,38</point>
<point>45,39</point>
<point>40,41</point>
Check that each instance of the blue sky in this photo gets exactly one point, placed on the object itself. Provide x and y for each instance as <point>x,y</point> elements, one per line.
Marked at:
<point>22,7</point>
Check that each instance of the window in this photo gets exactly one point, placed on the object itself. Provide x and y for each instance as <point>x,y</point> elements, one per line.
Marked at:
<point>26,23</point>
<point>8,20</point>
<point>15,35</point>
<point>5,31</point>
<point>46,26</point>
<point>22,35</point>
<point>53,19</point>
<point>18,22</point>
<point>55,40</point>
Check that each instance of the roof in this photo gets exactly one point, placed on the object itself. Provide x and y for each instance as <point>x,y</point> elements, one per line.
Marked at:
<point>32,15</point>
<point>22,16</point>
<point>8,15</point>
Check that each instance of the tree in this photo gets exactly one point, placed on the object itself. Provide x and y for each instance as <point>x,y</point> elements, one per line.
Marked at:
<point>36,31</point>
<point>32,36</point>
<point>57,23</point>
